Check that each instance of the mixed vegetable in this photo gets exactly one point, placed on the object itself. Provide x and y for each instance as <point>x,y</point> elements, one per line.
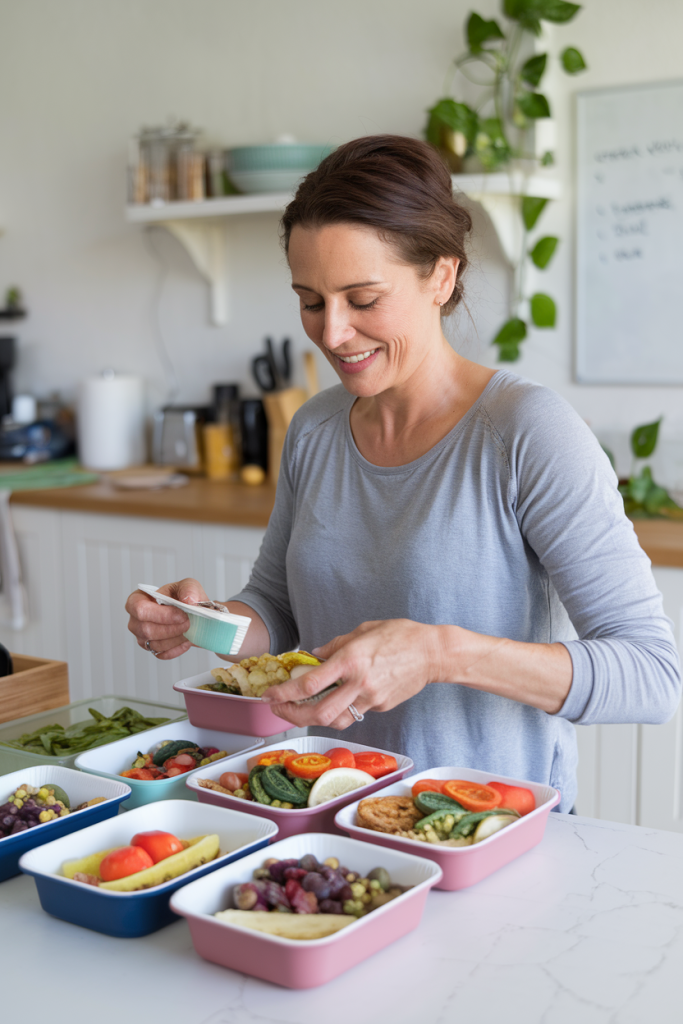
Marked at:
<point>291,780</point>
<point>29,806</point>
<point>170,758</point>
<point>57,741</point>
<point>452,812</point>
<point>300,898</point>
<point>152,858</point>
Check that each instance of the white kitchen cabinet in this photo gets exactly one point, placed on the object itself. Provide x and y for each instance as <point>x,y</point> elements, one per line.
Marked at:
<point>80,568</point>
<point>634,773</point>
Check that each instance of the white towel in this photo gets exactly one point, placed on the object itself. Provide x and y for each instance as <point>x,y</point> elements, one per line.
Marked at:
<point>13,603</point>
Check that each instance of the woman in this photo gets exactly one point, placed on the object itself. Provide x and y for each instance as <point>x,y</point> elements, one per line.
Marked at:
<point>457,530</point>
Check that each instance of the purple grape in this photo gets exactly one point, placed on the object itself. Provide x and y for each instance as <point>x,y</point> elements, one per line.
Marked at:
<point>277,870</point>
<point>309,863</point>
<point>314,882</point>
<point>330,907</point>
<point>275,894</point>
<point>18,826</point>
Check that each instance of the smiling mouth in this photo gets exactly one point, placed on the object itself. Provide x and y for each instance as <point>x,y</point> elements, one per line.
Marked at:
<point>358,358</point>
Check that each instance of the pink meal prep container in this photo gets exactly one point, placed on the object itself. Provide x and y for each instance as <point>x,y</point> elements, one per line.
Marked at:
<point>465,865</point>
<point>304,819</point>
<point>297,963</point>
<point>226,712</point>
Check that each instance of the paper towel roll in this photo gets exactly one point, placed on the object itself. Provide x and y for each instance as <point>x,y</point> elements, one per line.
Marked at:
<point>111,421</point>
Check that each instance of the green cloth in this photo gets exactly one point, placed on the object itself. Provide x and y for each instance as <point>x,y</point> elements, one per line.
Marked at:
<point>59,473</point>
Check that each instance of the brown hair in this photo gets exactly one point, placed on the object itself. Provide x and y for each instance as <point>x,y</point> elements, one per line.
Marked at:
<point>397,185</point>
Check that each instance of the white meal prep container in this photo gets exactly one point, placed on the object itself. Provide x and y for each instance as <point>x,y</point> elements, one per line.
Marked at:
<point>114,758</point>
<point>131,914</point>
<point>292,821</point>
<point>307,963</point>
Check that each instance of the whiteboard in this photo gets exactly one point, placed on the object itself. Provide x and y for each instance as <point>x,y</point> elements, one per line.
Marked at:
<point>630,235</point>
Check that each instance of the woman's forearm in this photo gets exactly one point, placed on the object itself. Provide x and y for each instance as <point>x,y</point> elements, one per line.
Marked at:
<point>536,674</point>
<point>257,640</point>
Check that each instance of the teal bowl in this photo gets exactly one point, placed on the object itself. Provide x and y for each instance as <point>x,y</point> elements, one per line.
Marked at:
<point>293,156</point>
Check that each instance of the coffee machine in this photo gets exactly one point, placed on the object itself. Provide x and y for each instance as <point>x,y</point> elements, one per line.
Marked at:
<point>7,357</point>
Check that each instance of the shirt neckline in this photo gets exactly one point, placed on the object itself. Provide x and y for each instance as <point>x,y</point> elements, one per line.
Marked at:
<point>410,467</point>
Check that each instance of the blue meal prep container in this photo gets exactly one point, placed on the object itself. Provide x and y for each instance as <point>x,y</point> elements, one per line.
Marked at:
<point>78,787</point>
<point>130,915</point>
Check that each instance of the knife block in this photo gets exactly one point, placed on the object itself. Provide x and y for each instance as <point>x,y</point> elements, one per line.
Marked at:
<point>280,407</point>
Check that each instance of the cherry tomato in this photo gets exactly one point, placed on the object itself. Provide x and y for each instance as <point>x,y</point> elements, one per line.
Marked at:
<point>428,786</point>
<point>375,763</point>
<point>515,797</point>
<point>308,766</point>
<point>158,845</point>
<point>341,757</point>
<point>270,757</point>
<point>232,780</point>
<point>123,862</point>
<point>472,795</point>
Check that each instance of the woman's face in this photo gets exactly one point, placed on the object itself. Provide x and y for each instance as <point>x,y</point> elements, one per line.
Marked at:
<point>374,318</point>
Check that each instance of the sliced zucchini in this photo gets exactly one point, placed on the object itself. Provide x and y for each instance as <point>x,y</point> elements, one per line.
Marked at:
<point>494,823</point>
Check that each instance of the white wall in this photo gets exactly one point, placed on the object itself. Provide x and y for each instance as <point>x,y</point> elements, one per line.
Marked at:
<point>77,78</point>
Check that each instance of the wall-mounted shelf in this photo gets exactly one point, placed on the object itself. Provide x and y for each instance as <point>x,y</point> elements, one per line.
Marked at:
<point>202,226</point>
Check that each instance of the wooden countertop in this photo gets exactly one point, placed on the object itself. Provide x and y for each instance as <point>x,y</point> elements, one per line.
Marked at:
<point>205,501</point>
<point>200,501</point>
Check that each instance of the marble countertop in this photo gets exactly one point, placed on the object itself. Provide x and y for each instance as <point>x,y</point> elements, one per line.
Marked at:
<point>587,927</point>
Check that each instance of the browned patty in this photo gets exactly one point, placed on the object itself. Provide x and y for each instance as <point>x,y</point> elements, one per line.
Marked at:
<point>388,813</point>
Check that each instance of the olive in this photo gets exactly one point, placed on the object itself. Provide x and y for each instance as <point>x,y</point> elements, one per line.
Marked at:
<point>382,876</point>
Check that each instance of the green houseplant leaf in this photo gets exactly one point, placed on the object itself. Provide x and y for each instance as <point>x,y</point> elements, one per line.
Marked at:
<point>511,333</point>
<point>458,117</point>
<point>533,105</point>
<point>644,439</point>
<point>572,61</point>
<point>532,71</point>
<point>532,208</point>
<point>543,311</point>
<point>530,13</point>
<point>543,251</point>
<point>480,31</point>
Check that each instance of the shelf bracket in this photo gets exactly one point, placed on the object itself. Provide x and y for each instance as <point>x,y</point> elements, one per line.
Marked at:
<point>504,212</point>
<point>206,242</point>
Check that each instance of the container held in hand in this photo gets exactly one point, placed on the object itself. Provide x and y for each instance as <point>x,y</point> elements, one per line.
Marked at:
<point>214,628</point>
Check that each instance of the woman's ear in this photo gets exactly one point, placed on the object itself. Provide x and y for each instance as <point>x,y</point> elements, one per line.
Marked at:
<point>444,277</point>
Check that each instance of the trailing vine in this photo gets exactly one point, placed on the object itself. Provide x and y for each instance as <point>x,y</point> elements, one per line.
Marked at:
<point>498,131</point>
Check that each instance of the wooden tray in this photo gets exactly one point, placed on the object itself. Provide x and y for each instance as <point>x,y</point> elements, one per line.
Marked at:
<point>36,685</point>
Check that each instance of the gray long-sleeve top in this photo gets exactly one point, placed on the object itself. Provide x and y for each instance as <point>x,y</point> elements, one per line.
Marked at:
<point>511,526</point>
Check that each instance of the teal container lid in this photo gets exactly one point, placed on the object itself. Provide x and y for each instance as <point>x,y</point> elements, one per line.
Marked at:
<point>210,628</point>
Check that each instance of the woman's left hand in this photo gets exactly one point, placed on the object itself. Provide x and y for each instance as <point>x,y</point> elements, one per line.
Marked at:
<point>380,664</point>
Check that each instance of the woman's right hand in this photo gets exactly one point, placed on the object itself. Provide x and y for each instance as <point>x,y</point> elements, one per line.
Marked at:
<point>160,624</point>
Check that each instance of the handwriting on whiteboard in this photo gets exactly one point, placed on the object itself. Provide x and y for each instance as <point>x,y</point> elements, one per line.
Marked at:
<point>630,234</point>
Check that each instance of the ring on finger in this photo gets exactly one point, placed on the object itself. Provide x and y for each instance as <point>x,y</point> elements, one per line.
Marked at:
<point>356,713</point>
<point>151,650</point>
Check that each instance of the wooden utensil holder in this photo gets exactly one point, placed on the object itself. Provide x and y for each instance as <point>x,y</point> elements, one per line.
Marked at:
<point>280,407</point>
<point>36,685</point>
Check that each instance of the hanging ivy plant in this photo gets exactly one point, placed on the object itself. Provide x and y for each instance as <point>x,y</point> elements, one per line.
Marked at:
<point>498,130</point>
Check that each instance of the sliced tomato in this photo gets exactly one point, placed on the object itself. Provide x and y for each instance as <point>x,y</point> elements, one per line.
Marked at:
<point>271,757</point>
<point>517,798</point>
<point>341,757</point>
<point>308,766</point>
<point>123,862</point>
<point>375,763</point>
<point>428,786</point>
<point>159,845</point>
<point>472,795</point>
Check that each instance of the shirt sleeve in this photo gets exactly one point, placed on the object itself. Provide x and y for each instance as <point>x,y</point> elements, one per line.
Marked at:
<point>626,667</point>
<point>266,592</point>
